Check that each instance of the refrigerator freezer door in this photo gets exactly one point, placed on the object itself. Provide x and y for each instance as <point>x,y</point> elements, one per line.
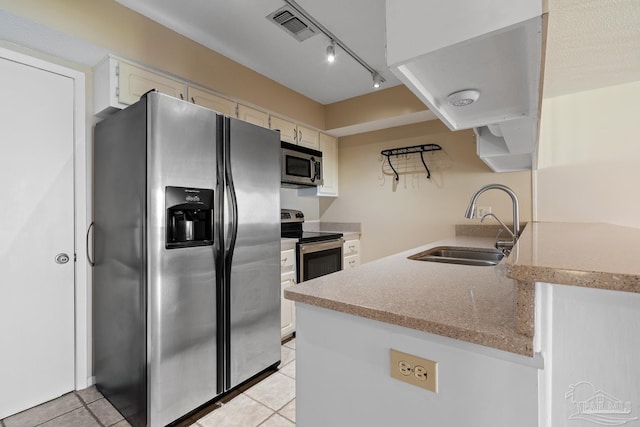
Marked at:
<point>181,334</point>
<point>119,286</point>
<point>253,286</point>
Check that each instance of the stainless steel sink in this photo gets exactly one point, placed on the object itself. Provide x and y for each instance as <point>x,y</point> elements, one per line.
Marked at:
<point>460,255</point>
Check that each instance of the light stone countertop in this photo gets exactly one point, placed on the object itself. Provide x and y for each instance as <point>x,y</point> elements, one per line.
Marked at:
<point>602,256</point>
<point>473,304</point>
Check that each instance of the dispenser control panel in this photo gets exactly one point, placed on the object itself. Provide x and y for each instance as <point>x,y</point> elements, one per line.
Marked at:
<point>189,217</point>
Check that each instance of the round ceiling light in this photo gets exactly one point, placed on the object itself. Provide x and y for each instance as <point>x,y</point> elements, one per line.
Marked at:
<point>463,97</point>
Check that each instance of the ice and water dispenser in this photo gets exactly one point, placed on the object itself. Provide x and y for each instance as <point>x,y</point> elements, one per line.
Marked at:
<point>189,217</point>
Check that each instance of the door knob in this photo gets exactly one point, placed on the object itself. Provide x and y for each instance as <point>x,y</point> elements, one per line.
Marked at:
<point>62,259</point>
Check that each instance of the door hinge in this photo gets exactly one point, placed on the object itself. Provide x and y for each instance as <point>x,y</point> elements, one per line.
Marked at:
<point>117,69</point>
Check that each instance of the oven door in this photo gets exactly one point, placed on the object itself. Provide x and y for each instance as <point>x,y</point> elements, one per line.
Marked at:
<point>319,258</point>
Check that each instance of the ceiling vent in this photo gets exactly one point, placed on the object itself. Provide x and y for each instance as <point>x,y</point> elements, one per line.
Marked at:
<point>293,23</point>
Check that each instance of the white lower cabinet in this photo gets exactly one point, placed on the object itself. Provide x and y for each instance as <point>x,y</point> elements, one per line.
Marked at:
<point>350,262</point>
<point>288,308</point>
<point>351,254</point>
<point>287,279</point>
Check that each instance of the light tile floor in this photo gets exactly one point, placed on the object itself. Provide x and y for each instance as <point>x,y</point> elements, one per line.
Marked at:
<point>267,401</point>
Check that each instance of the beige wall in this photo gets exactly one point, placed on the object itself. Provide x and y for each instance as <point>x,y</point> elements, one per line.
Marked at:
<point>107,24</point>
<point>415,211</point>
<point>589,157</point>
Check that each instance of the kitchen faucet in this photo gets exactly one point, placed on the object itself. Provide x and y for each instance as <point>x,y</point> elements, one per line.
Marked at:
<point>503,245</point>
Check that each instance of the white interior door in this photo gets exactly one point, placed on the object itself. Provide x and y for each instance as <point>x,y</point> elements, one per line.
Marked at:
<point>36,224</point>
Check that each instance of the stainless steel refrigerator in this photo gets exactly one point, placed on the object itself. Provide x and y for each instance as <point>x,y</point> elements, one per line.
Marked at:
<point>186,290</point>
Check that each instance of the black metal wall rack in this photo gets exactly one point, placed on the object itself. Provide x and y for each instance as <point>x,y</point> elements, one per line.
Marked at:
<point>405,151</point>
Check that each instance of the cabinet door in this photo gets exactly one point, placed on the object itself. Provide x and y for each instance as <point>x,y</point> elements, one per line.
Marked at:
<point>288,130</point>
<point>213,102</point>
<point>254,116</point>
<point>287,309</point>
<point>134,82</point>
<point>351,247</point>
<point>308,137</point>
<point>329,148</point>
<point>351,261</point>
<point>287,261</point>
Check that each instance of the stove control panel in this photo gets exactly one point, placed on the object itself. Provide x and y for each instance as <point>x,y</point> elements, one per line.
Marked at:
<point>291,215</point>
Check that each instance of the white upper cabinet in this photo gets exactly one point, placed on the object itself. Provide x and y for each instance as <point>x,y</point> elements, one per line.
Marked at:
<point>118,83</point>
<point>288,130</point>
<point>254,116</point>
<point>493,47</point>
<point>296,134</point>
<point>329,148</point>
<point>212,101</point>
<point>329,188</point>
<point>308,137</point>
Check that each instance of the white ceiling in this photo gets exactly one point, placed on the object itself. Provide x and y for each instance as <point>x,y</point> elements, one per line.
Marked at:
<point>239,30</point>
<point>591,44</point>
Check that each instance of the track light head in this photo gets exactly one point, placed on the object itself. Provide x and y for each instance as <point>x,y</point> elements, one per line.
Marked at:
<point>331,52</point>
<point>377,80</point>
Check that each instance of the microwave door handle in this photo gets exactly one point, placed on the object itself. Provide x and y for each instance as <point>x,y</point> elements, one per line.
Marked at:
<point>316,170</point>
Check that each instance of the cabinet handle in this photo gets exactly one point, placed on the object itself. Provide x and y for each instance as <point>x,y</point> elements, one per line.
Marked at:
<point>352,248</point>
<point>284,260</point>
<point>300,139</point>
<point>352,263</point>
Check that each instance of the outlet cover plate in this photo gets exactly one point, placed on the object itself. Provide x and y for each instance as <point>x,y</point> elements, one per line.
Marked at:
<point>431,367</point>
<point>482,211</point>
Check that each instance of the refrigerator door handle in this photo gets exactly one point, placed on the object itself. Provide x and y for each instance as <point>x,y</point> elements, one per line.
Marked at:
<point>231,193</point>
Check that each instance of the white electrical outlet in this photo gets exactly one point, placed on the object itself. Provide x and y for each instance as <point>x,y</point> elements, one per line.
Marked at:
<point>482,211</point>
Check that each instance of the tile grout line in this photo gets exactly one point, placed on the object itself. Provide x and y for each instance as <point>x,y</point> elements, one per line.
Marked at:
<point>256,400</point>
<point>268,418</point>
<point>65,413</point>
<point>68,412</point>
<point>84,404</point>
<point>284,416</point>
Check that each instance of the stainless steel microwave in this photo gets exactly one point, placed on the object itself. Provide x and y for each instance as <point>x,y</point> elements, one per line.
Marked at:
<point>301,166</point>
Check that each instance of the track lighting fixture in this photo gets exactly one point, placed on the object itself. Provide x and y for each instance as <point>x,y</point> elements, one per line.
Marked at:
<point>331,51</point>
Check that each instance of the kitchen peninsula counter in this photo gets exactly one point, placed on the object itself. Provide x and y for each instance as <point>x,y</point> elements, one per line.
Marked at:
<point>490,306</point>
<point>469,303</point>
<point>596,255</point>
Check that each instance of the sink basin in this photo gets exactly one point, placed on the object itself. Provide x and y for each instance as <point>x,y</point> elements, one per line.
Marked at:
<point>460,255</point>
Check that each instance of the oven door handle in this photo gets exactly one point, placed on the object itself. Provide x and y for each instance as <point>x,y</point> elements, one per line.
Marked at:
<point>307,248</point>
